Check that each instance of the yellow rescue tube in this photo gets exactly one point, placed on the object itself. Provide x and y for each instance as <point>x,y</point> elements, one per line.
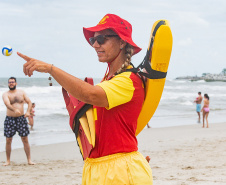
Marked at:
<point>159,60</point>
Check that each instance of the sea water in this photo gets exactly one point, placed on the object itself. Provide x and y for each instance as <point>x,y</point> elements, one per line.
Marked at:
<point>51,121</point>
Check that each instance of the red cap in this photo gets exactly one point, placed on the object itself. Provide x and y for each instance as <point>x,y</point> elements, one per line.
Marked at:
<point>120,26</point>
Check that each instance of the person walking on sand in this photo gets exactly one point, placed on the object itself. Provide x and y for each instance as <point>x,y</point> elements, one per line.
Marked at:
<point>198,102</point>
<point>15,120</point>
<point>117,101</point>
<point>31,117</point>
<point>205,110</point>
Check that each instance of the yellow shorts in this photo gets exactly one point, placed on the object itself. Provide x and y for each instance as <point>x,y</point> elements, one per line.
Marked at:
<point>117,169</point>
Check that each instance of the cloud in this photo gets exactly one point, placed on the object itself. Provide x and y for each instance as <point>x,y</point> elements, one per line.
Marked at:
<point>185,42</point>
<point>52,31</point>
<point>191,19</point>
<point>10,10</point>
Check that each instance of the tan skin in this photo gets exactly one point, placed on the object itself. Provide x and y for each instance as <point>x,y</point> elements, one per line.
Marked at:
<point>14,101</point>
<point>81,90</point>
<point>205,114</point>
<point>30,118</point>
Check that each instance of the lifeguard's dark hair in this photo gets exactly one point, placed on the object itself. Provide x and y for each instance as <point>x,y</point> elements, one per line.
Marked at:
<point>12,78</point>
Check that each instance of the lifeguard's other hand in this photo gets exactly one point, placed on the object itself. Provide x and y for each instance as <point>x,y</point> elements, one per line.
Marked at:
<point>34,65</point>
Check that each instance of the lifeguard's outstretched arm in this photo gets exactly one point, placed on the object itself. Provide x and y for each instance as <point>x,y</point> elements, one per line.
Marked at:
<point>81,90</point>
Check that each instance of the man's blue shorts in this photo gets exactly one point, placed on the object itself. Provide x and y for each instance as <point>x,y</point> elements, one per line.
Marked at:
<point>198,107</point>
<point>16,124</point>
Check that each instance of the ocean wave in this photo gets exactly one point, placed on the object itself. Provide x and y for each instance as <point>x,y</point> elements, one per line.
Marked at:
<point>187,103</point>
<point>37,90</point>
<point>2,90</point>
<point>55,114</point>
<point>41,90</point>
<point>200,81</point>
<point>181,81</point>
<point>176,87</point>
<point>211,95</point>
<point>50,104</point>
<point>2,108</point>
<point>51,113</point>
<point>213,87</point>
<point>173,95</point>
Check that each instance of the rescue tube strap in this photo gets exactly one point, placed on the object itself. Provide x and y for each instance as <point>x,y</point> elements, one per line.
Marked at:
<point>145,69</point>
<point>151,73</point>
<point>80,113</point>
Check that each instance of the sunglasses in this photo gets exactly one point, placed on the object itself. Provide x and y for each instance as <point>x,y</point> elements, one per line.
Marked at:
<point>100,39</point>
<point>11,82</point>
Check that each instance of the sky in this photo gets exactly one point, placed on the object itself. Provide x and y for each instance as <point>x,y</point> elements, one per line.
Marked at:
<point>52,31</point>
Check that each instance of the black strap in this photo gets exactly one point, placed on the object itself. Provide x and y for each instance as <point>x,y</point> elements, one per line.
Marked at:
<point>78,116</point>
<point>144,68</point>
<point>153,74</point>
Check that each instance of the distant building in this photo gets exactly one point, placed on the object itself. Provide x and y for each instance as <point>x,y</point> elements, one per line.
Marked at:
<point>207,77</point>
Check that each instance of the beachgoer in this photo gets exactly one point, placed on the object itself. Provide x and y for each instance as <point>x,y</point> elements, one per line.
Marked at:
<point>205,110</point>
<point>198,102</point>
<point>31,117</point>
<point>117,100</point>
<point>15,120</point>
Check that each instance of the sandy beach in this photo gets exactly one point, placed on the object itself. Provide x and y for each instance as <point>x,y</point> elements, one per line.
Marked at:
<point>183,155</point>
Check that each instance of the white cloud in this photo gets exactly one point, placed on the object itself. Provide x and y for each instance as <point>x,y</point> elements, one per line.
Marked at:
<point>191,19</point>
<point>185,42</point>
<point>52,31</point>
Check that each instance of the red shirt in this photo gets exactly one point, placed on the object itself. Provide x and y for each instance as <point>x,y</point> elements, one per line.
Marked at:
<point>116,125</point>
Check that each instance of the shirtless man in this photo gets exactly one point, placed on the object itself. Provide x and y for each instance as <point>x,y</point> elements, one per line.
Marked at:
<point>15,120</point>
<point>198,102</point>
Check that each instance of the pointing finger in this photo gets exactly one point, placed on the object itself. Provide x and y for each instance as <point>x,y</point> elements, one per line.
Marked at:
<point>24,56</point>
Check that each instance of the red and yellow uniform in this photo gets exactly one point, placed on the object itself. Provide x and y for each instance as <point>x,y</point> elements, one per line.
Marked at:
<point>115,159</point>
<point>116,125</point>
